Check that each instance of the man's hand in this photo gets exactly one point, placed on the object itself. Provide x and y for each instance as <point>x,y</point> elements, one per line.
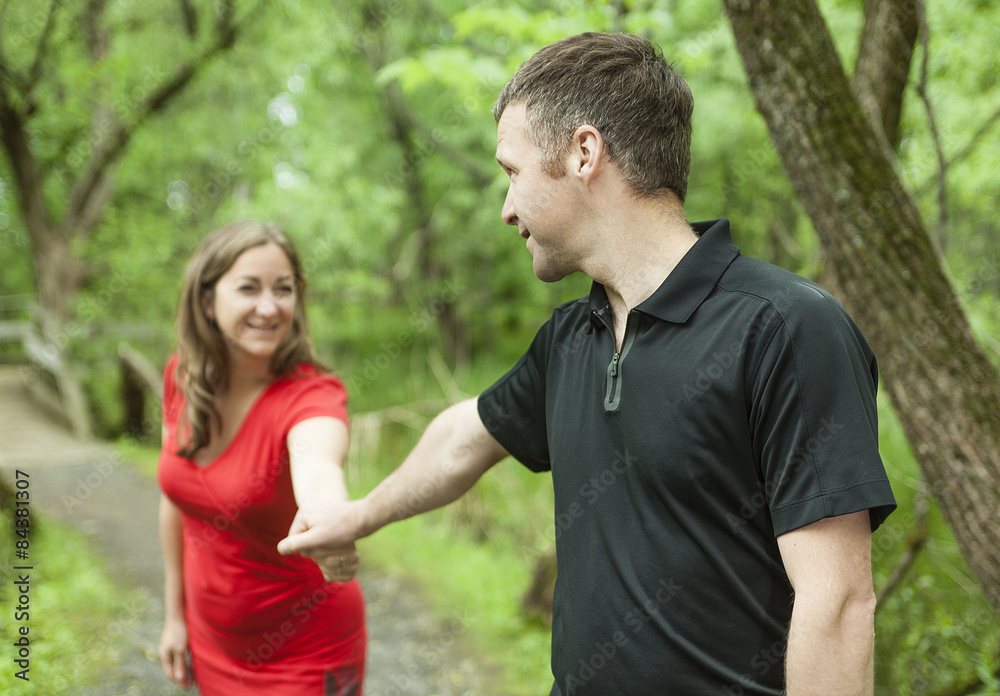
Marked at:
<point>454,451</point>
<point>326,533</point>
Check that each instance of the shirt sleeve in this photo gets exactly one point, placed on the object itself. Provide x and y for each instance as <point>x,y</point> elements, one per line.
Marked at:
<point>314,397</point>
<point>513,408</point>
<point>814,420</point>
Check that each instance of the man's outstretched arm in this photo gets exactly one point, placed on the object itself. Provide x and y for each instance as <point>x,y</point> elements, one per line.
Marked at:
<point>454,451</point>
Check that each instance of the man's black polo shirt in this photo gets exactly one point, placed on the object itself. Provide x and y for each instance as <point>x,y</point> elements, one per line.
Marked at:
<point>740,407</point>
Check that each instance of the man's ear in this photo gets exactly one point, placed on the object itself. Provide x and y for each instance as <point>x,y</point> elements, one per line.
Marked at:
<point>587,153</point>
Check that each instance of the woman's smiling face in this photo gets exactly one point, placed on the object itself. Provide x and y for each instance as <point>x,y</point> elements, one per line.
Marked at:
<point>254,302</point>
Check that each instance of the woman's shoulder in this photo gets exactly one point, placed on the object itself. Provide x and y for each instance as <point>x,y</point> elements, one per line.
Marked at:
<point>306,377</point>
<point>304,392</point>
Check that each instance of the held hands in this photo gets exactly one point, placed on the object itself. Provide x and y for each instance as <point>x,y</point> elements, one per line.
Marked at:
<point>173,651</point>
<point>326,533</point>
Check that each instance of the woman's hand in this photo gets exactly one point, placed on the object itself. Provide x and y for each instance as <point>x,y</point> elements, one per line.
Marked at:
<point>338,565</point>
<point>173,652</point>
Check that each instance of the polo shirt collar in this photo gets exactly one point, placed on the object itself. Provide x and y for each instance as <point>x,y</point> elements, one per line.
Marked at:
<point>692,279</point>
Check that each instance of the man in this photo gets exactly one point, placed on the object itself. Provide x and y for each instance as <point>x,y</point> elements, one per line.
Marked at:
<point>709,420</point>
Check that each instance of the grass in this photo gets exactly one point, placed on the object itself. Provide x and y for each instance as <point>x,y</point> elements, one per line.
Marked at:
<point>71,593</point>
<point>473,561</point>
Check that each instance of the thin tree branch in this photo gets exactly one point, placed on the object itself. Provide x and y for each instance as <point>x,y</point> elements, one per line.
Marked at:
<point>970,147</point>
<point>965,152</point>
<point>7,73</point>
<point>190,16</point>
<point>96,37</point>
<point>4,67</point>
<point>479,175</point>
<point>118,136</point>
<point>914,545</point>
<point>35,71</point>
<point>883,63</point>
<point>942,174</point>
<point>16,142</point>
<point>3,15</point>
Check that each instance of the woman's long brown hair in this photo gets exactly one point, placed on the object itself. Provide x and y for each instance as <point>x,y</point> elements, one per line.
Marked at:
<point>204,368</point>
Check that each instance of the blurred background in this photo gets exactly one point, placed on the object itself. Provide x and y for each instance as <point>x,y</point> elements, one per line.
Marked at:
<point>131,129</point>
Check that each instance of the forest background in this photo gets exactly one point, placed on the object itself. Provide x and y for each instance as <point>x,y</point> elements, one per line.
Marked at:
<point>364,129</point>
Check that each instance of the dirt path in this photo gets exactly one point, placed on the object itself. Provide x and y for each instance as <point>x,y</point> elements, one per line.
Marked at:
<point>411,652</point>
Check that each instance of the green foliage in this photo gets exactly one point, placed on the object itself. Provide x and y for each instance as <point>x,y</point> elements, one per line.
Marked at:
<point>366,130</point>
<point>935,629</point>
<point>18,275</point>
<point>474,558</point>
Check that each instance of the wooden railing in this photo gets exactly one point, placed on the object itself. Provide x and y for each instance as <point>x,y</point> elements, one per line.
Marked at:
<point>51,380</point>
<point>15,319</point>
<point>43,343</point>
<point>140,379</point>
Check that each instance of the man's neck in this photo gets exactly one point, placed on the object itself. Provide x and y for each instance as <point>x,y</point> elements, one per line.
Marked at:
<point>642,250</point>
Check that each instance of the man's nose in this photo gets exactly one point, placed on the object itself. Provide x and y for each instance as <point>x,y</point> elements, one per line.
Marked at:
<point>507,213</point>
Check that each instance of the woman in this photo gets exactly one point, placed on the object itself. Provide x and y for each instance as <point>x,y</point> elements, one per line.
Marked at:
<point>253,426</point>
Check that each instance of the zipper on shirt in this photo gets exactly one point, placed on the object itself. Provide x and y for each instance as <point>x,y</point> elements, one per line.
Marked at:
<point>613,388</point>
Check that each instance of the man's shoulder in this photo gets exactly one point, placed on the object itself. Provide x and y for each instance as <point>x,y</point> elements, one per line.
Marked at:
<point>569,315</point>
<point>789,294</point>
<point>573,308</point>
<point>808,314</point>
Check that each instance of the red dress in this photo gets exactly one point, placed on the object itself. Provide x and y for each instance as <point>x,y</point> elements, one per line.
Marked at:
<point>259,622</point>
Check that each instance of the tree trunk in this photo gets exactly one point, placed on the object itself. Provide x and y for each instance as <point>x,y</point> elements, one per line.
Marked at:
<point>883,63</point>
<point>58,276</point>
<point>945,390</point>
<point>59,273</point>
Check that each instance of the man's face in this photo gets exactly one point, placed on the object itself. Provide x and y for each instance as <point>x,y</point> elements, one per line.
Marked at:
<point>541,207</point>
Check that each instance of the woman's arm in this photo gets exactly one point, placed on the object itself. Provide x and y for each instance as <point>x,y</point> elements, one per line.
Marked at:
<point>453,453</point>
<point>174,640</point>
<point>317,448</point>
